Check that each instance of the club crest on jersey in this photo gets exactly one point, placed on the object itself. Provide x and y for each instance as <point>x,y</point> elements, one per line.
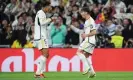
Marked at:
<point>91,26</point>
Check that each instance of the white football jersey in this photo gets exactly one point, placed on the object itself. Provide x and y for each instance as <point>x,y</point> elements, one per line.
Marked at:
<point>40,28</point>
<point>88,27</point>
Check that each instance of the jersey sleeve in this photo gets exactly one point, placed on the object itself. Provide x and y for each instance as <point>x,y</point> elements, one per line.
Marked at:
<point>42,18</point>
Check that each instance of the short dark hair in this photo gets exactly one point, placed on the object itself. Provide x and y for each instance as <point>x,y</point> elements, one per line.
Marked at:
<point>45,3</point>
<point>86,9</point>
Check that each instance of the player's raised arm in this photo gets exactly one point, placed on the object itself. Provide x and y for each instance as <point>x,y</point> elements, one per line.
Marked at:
<point>46,8</point>
<point>75,29</point>
<point>42,19</point>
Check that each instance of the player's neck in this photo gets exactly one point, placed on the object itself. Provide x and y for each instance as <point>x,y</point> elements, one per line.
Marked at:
<point>87,17</point>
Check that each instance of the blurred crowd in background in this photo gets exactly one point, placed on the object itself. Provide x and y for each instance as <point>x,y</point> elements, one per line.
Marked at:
<point>114,23</point>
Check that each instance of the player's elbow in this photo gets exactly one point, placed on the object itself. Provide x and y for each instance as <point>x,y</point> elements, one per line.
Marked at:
<point>94,32</point>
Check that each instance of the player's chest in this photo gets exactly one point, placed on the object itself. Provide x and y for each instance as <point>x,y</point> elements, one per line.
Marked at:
<point>88,27</point>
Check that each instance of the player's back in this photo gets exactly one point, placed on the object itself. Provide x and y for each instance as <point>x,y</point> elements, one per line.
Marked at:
<point>39,30</point>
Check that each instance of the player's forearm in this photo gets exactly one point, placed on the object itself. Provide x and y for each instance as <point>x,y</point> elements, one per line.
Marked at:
<point>44,22</point>
<point>92,33</point>
<point>76,30</point>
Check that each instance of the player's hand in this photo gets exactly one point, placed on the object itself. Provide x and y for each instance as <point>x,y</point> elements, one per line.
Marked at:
<point>83,35</point>
<point>53,18</point>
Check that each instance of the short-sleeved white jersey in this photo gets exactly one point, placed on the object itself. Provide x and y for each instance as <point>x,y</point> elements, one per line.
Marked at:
<point>88,27</point>
<point>40,28</point>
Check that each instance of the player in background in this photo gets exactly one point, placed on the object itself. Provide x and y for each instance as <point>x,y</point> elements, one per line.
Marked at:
<point>40,37</point>
<point>86,48</point>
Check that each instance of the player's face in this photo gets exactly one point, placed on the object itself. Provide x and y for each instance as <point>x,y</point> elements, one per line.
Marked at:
<point>83,14</point>
<point>49,8</point>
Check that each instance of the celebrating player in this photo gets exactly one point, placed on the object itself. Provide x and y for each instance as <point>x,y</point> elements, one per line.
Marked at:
<point>40,37</point>
<point>87,46</point>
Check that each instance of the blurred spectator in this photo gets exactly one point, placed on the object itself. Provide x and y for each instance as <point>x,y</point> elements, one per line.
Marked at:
<point>2,6</point>
<point>9,8</point>
<point>68,15</point>
<point>128,2</point>
<point>56,11</point>
<point>29,28</point>
<point>111,27</point>
<point>101,17</point>
<point>25,17</point>
<point>121,15</point>
<point>116,4</point>
<point>55,2</point>
<point>71,3</point>
<point>100,41</point>
<point>3,16</point>
<point>5,1</point>
<point>107,13</point>
<point>29,24</point>
<point>128,29</point>
<point>27,4</point>
<point>75,13</point>
<point>31,11</point>
<point>18,24</point>
<point>130,13</point>
<point>129,43</point>
<point>21,41</point>
<point>94,13</point>
<point>72,37</point>
<point>108,43</point>
<point>38,5</point>
<point>18,9</point>
<point>119,28</point>
<point>58,33</point>
<point>120,5</point>
<point>117,39</point>
<point>6,33</point>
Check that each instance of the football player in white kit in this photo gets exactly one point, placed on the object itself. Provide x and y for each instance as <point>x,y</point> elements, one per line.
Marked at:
<point>86,48</point>
<point>40,37</point>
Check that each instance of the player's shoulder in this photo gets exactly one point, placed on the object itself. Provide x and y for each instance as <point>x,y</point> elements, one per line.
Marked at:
<point>40,12</point>
<point>92,20</point>
<point>89,22</point>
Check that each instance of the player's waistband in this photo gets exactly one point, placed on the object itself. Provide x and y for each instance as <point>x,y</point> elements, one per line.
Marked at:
<point>37,39</point>
<point>92,44</point>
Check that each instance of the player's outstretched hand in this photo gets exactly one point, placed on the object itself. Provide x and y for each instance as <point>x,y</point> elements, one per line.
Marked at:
<point>53,18</point>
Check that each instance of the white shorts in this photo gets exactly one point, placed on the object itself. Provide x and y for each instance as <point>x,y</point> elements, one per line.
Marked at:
<point>87,47</point>
<point>40,44</point>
